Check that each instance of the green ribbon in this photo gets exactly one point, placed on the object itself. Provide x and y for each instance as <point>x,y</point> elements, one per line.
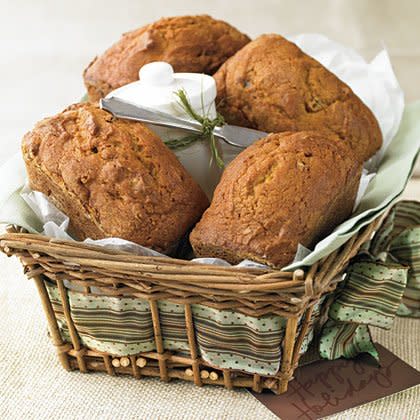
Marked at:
<point>340,339</point>
<point>382,281</point>
<point>398,239</point>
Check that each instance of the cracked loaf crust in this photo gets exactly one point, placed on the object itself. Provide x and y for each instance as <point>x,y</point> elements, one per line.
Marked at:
<point>285,189</point>
<point>272,85</point>
<point>196,44</point>
<point>112,177</point>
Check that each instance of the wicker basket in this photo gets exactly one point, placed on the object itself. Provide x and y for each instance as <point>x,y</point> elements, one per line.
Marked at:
<point>250,291</point>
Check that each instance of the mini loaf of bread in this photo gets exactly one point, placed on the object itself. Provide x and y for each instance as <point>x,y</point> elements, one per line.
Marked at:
<point>113,178</point>
<point>285,189</point>
<point>272,85</point>
<point>196,44</point>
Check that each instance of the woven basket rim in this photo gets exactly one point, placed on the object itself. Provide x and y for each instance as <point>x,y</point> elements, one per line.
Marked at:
<point>250,290</point>
<point>25,237</point>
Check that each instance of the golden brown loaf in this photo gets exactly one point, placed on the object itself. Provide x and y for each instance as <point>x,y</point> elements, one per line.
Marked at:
<point>113,178</point>
<point>271,85</point>
<point>197,44</point>
<point>285,189</point>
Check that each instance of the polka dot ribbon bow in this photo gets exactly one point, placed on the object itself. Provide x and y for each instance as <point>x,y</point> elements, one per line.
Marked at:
<point>382,281</point>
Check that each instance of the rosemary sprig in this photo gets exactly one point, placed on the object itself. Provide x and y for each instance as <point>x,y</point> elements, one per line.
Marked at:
<point>207,125</point>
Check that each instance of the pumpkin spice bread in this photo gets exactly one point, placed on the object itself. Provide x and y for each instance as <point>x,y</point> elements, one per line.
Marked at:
<point>112,177</point>
<point>285,189</point>
<point>272,85</point>
<point>195,44</point>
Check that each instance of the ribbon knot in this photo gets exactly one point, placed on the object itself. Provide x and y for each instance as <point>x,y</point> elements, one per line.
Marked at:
<point>207,127</point>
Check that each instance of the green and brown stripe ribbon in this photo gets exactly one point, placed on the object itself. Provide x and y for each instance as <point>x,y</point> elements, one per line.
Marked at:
<point>402,244</point>
<point>382,281</point>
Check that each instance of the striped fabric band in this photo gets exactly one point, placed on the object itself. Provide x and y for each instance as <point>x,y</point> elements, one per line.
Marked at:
<point>399,239</point>
<point>371,295</point>
<point>225,339</point>
<point>340,339</point>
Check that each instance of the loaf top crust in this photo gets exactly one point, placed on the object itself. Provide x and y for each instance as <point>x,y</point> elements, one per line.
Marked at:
<point>126,181</point>
<point>272,85</point>
<point>285,189</point>
<point>196,44</point>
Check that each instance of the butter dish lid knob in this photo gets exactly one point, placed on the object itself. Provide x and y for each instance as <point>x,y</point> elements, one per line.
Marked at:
<point>158,85</point>
<point>158,73</point>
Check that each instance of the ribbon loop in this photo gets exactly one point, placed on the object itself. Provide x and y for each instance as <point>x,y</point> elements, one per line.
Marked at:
<point>383,280</point>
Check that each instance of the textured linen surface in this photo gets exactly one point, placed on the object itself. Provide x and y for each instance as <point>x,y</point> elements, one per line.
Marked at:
<point>34,385</point>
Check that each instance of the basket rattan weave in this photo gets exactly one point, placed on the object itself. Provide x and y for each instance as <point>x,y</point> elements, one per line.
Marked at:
<point>253,292</point>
